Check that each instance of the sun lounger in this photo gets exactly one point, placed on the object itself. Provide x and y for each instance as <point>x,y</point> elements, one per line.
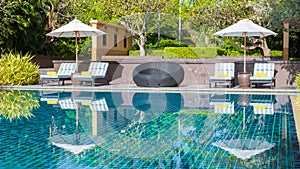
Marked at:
<point>224,73</point>
<point>64,72</point>
<point>263,73</point>
<point>96,70</point>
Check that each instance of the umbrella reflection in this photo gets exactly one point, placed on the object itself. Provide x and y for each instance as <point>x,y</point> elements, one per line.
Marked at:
<point>246,141</point>
<point>76,143</point>
<point>244,148</point>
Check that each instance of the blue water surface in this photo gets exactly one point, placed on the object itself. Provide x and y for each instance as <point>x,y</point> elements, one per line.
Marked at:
<point>42,129</point>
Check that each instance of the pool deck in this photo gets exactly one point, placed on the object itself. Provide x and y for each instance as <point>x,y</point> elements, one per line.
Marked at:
<point>133,87</point>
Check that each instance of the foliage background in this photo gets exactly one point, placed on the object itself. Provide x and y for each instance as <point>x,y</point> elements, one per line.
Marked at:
<point>20,17</point>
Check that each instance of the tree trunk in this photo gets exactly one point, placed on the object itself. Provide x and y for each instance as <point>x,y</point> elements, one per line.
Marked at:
<point>142,51</point>
<point>265,48</point>
<point>267,52</point>
<point>259,43</point>
<point>138,31</point>
<point>141,43</point>
<point>286,40</point>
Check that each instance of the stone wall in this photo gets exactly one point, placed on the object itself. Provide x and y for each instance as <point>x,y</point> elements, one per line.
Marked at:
<point>47,61</point>
<point>197,71</point>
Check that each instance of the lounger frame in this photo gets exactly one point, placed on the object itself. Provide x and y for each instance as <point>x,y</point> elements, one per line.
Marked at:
<point>266,69</point>
<point>64,72</point>
<point>98,70</point>
<point>224,73</point>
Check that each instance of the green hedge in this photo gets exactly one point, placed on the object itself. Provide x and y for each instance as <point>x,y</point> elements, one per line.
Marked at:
<point>149,52</point>
<point>190,52</point>
<point>181,52</point>
<point>298,80</point>
<point>198,52</point>
<point>294,59</point>
<point>276,53</point>
<point>230,52</point>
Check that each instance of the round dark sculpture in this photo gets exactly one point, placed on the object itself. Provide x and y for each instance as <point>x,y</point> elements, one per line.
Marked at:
<point>158,74</point>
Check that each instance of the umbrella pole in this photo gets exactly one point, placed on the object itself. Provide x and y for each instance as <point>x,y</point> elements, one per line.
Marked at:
<point>76,36</point>
<point>77,123</point>
<point>179,144</point>
<point>244,118</point>
<point>244,51</point>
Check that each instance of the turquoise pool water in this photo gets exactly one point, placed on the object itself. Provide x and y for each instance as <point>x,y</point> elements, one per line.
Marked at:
<point>40,129</point>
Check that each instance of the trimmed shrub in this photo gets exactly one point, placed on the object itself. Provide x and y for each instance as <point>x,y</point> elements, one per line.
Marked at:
<point>149,52</point>
<point>190,52</point>
<point>294,59</point>
<point>134,53</point>
<point>276,53</point>
<point>17,69</point>
<point>221,51</point>
<point>298,80</point>
<point>205,52</point>
<point>179,52</point>
<point>155,52</point>
<point>225,52</point>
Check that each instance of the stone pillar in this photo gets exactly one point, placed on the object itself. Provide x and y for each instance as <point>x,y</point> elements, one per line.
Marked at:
<point>285,40</point>
<point>96,42</point>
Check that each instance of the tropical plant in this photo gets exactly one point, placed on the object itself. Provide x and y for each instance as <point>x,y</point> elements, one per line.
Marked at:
<point>17,104</point>
<point>13,20</point>
<point>18,19</point>
<point>17,69</point>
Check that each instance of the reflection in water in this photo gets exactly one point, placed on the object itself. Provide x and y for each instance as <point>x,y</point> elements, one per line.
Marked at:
<point>223,104</point>
<point>18,104</point>
<point>244,148</point>
<point>151,130</point>
<point>75,143</point>
<point>150,106</point>
<point>150,115</point>
<point>245,142</point>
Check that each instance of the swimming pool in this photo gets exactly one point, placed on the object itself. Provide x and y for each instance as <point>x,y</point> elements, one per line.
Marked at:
<point>40,129</point>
